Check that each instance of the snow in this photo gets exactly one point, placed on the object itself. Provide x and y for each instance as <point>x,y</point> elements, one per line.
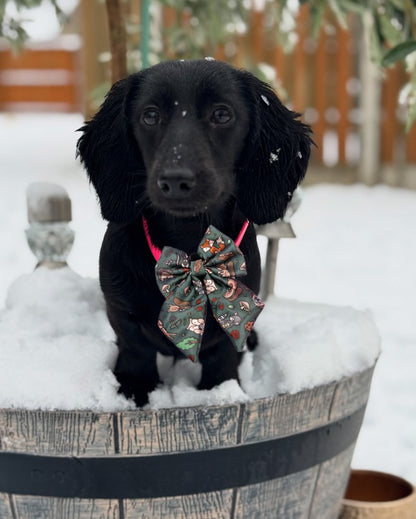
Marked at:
<point>265,100</point>
<point>355,248</point>
<point>274,156</point>
<point>56,318</point>
<point>48,156</point>
<point>305,345</point>
<point>38,195</point>
<point>57,347</point>
<point>38,192</point>
<point>311,345</point>
<point>40,22</point>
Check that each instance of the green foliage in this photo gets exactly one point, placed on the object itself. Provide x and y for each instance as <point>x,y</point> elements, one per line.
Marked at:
<point>11,26</point>
<point>389,24</point>
<point>398,53</point>
<point>210,23</point>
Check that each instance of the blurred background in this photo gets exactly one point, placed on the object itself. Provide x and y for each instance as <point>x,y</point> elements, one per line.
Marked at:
<point>348,66</point>
<point>55,56</point>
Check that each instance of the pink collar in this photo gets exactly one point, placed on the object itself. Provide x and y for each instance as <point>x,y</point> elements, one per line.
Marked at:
<point>157,252</point>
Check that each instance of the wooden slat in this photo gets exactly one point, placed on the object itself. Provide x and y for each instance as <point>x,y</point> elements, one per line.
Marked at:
<point>176,430</point>
<point>60,433</point>
<point>287,497</point>
<point>320,94</point>
<point>345,68</point>
<point>93,72</point>
<point>390,127</point>
<point>195,506</point>
<point>298,93</point>
<point>24,80</point>
<point>38,94</point>
<point>168,21</point>
<point>274,418</point>
<point>331,481</point>
<point>256,36</point>
<point>5,510</point>
<point>32,507</point>
<point>332,477</point>
<point>351,394</point>
<point>37,59</point>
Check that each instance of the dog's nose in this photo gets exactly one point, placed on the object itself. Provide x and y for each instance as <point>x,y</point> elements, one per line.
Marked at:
<point>177,183</point>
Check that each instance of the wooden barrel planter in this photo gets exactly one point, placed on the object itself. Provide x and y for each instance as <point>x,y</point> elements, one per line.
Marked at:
<point>282,457</point>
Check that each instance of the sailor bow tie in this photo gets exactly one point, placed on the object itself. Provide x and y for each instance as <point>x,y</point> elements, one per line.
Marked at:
<point>208,278</point>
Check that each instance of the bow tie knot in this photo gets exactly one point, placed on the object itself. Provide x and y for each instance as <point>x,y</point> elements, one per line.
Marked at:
<point>197,268</point>
<point>207,278</point>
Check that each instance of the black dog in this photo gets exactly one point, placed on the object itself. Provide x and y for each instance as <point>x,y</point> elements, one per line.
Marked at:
<point>185,144</point>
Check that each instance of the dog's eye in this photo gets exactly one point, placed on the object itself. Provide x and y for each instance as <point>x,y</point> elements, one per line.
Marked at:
<point>221,115</point>
<point>151,116</point>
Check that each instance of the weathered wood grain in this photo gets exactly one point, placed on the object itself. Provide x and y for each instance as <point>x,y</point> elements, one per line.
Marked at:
<point>72,433</point>
<point>280,416</point>
<point>176,430</point>
<point>351,393</point>
<point>5,511</point>
<point>330,484</point>
<point>212,505</point>
<point>283,498</point>
<point>31,507</point>
<point>314,493</point>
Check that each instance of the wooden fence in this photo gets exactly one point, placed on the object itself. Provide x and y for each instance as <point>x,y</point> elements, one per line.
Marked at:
<point>323,80</point>
<point>44,77</point>
<point>321,77</point>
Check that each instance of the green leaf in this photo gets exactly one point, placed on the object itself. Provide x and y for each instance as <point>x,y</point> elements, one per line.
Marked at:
<point>340,15</point>
<point>353,7</point>
<point>398,52</point>
<point>317,10</point>
<point>390,33</point>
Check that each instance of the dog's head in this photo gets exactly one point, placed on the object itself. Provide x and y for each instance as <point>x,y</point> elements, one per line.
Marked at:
<point>183,137</point>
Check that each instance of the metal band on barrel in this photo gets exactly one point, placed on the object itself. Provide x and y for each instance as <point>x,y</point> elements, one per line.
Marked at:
<point>180,473</point>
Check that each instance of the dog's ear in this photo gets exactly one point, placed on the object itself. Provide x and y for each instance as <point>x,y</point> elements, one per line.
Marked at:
<point>111,155</point>
<point>275,155</point>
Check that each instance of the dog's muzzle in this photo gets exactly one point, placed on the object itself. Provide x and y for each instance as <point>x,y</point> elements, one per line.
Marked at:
<point>177,183</point>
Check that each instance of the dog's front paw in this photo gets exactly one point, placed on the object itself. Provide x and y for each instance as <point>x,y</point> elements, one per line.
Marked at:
<point>131,389</point>
<point>252,341</point>
<point>139,396</point>
<point>137,375</point>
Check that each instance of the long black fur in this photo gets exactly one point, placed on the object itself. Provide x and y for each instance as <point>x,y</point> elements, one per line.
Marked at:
<point>244,161</point>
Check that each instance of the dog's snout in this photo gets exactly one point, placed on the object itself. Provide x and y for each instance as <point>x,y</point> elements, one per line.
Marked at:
<point>177,183</point>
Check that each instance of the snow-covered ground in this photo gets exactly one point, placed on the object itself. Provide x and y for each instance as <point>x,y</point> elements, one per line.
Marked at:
<point>356,246</point>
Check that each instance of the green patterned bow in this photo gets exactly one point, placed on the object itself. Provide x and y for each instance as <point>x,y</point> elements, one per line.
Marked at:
<point>189,282</point>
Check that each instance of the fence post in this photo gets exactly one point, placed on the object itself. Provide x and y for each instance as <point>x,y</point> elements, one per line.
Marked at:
<point>369,170</point>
